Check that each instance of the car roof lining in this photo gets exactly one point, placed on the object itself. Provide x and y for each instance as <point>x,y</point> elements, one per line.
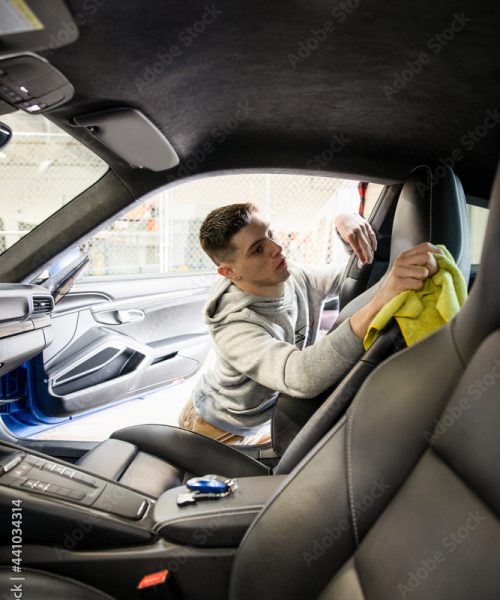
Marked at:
<point>235,98</point>
<point>235,85</point>
<point>234,91</point>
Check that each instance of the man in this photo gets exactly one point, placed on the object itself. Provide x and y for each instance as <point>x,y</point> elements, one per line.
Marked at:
<point>264,318</point>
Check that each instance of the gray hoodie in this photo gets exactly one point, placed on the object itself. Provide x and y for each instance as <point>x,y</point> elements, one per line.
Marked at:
<point>266,345</point>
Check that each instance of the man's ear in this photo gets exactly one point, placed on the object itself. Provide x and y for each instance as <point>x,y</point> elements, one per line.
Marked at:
<point>226,271</point>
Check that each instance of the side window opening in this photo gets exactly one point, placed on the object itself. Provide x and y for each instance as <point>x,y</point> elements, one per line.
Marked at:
<point>160,235</point>
<point>478,219</point>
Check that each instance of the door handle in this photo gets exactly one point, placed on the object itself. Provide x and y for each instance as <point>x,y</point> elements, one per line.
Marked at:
<point>129,316</point>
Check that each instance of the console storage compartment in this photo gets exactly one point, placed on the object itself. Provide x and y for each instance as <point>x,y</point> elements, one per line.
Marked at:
<point>218,523</point>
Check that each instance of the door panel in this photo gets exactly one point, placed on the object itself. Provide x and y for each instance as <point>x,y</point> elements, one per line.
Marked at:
<point>116,339</point>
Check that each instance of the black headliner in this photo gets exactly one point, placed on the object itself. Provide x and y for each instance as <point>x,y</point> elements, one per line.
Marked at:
<point>292,114</point>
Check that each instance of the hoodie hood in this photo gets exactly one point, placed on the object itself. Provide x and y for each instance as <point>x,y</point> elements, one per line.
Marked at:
<point>226,300</point>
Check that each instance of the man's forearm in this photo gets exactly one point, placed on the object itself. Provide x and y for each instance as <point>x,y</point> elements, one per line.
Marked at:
<point>361,320</point>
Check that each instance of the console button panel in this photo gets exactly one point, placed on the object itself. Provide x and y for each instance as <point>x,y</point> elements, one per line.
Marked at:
<point>48,478</point>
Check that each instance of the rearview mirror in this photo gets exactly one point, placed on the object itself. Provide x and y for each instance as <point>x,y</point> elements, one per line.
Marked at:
<point>5,134</point>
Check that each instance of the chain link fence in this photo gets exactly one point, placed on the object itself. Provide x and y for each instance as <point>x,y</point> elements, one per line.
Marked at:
<point>41,169</point>
<point>161,234</point>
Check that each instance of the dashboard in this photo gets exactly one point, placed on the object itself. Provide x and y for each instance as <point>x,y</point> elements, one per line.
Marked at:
<point>25,323</point>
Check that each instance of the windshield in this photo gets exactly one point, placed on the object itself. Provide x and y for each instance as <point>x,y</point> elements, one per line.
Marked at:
<point>41,170</point>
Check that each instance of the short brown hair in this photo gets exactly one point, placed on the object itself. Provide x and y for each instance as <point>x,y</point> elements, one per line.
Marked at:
<point>219,227</point>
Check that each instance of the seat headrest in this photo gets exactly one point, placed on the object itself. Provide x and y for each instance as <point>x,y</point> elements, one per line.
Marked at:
<point>432,207</point>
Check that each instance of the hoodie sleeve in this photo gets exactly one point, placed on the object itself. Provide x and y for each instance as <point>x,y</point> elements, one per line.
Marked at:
<point>282,367</point>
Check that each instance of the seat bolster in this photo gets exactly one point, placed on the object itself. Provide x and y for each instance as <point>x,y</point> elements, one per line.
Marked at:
<point>294,524</point>
<point>393,429</point>
<point>110,458</point>
<point>151,475</point>
<point>190,451</point>
<point>45,586</point>
<point>345,586</point>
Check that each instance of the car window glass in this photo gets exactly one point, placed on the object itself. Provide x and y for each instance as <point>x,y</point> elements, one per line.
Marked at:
<point>478,218</point>
<point>160,235</point>
<point>41,169</point>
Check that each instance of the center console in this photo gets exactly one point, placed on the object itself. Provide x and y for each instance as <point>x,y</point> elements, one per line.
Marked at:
<point>67,507</point>
<point>110,536</point>
<point>26,472</point>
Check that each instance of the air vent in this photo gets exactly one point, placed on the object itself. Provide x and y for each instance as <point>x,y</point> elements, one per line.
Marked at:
<point>42,305</point>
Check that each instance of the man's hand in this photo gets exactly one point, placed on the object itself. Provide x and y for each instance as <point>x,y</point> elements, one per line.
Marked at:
<point>358,233</point>
<point>409,271</point>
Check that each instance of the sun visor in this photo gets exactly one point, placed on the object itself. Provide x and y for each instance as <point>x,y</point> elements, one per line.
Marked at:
<point>132,137</point>
<point>35,25</point>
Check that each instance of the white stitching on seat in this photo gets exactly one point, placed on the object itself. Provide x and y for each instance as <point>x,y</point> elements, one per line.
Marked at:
<point>430,196</point>
<point>430,206</point>
<point>241,510</point>
<point>350,484</point>
<point>297,470</point>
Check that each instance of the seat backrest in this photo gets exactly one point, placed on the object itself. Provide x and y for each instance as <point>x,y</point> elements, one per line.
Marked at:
<point>423,201</point>
<point>401,499</point>
<point>418,218</point>
<point>356,279</point>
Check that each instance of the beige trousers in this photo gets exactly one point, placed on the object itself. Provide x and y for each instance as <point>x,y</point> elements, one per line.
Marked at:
<point>190,419</point>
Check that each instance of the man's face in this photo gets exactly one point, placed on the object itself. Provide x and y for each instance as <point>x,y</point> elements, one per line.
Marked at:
<point>258,265</point>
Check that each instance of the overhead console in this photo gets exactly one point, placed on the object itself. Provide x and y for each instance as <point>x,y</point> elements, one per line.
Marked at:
<point>25,323</point>
<point>30,83</point>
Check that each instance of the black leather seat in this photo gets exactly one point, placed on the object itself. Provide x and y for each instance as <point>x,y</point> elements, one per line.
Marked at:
<point>401,499</point>
<point>153,458</point>
<point>40,585</point>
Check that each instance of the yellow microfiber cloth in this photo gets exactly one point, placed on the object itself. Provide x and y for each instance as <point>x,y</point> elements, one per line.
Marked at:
<point>420,313</point>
